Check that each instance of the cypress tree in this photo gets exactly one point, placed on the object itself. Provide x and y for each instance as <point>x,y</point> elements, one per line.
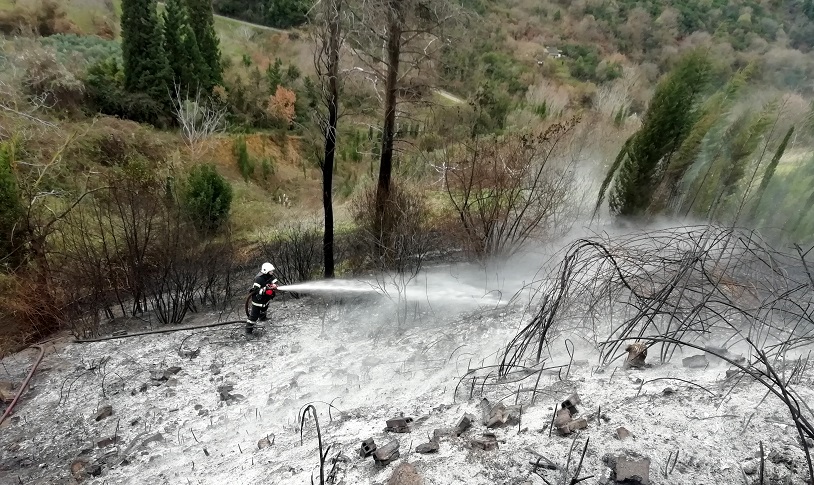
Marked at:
<point>668,120</point>
<point>146,69</point>
<point>181,47</point>
<point>202,21</point>
<point>10,206</point>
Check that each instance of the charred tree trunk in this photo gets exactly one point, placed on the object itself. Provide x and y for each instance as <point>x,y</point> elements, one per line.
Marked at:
<point>391,99</point>
<point>330,139</point>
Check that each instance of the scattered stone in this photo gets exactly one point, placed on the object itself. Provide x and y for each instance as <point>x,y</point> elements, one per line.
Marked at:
<point>189,353</point>
<point>203,412</point>
<point>571,402</point>
<point>749,469</point>
<point>214,369</point>
<point>264,443</point>
<point>171,372</point>
<point>695,361</point>
<point>463,424</point>
<point>7,391</point>
<point>439,433</point>
<point>78,469</point>
<point>630,468</point>
<point>485,442</point>
<point>485,410</point>
<point>104,443</point>
<point>576,424</point>
<point>398,425</point>
<point>561,420</point>
<point>730,373</point>
<point>172,382</point>
<point>405,474</point>
<point>198,406</point>
<point>622,433</point>
<point>427,448</point>
<point>636,354</point>
<point>225,392</point>
<point>367,448</point>
<point>668,391</point>
<point>387,454</point>
<point>497,416</point>
<point>94,470</point>
<point>105,412</point>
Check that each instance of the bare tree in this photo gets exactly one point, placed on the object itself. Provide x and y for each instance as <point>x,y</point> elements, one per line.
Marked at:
<point>395,40</point>
<point>329,36</point>
<point>199,119</point>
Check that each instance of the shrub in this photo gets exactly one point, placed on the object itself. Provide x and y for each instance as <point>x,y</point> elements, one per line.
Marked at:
<point>244,162</point>
<point>104,83</point>
<point>207,198</point>
<point>50,81</point>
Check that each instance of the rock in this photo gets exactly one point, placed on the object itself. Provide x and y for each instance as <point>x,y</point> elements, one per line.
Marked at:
<point>264,443</point>
<point>439,433</point>
<point>189,353</point>
<point>622,433</point>
<point>104,443</point>
<point>485,410</point>
<point>104,412</point>
<point>485,442</point>
<point>94,470</point>
<point>198,407</point>
<point>203,412</point>
<point>497,416</point>
<point>750,469</point>
<point>576,424</point>
<point>426,448</point>
<point>398,425</point>
<point>405,474</point>
<point>225,392</point>
<point>78,469</point>
<point>7,391</point>
<point>695,362</point>
<point>561,420</point>
<point>571,402</point>
<point>387,454</point>
<point>171,372</point>
<point>463,424</point>
<point>214,369</point>
<point>668,391</point>
<point>630,468</point>
<point>636,355</point>
<point>367,448</point>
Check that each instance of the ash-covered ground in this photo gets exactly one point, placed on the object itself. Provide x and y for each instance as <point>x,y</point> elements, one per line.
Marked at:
<point>207,406</point>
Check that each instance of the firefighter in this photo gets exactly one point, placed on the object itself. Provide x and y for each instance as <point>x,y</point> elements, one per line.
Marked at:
<point>265,285</point>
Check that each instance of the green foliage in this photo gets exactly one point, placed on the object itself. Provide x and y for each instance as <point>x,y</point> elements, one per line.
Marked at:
<point>207,198</point>
<point>87,48</point>
<point>181,47</point>
<point>11,208</point>
<point>668,120</point>
<point>104,91</point>
<point>267,167</point>
<point>273,13</point>
<point>244,162</point>
<point>145,63</point>
<point>770,169</point>
<point>202,22</point>
<point>274,75</point>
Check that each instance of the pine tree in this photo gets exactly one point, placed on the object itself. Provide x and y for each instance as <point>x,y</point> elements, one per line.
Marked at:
<point>181,47</point>
<point>202,21</point>
<point>146,69</point>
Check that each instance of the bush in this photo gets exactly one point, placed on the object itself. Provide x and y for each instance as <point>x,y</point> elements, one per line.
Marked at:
<point>88,48</point>
<point>50,81</point>
<point>10,206</point>
<point>398,241</point>
<point>244,162</point>
<point>207,198</point>
<point>296,251</point>
<point>104,83</point>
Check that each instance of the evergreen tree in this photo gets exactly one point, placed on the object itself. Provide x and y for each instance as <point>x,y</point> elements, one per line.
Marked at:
<point>668,120</point>
<point>10,207</point>
<point>146,69</point>
<point>181,47</point>
<point>202,21</point>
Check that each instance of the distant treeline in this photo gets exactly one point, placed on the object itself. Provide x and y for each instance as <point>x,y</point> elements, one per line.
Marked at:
<point>273,13</point>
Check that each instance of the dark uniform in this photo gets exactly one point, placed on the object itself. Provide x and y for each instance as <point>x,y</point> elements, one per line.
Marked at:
<point>261,296</point>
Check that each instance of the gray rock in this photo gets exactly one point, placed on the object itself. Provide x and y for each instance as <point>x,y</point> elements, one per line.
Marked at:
<point>387,454</point>
<point>622,433</point>
<point>426,448</point>
<point>463,424</point>
<point>405,474</point>
<point>629,468</point>
<point>171,372</point>
<point>695,362</point>
<point>485,442</point>
<point>105,412</point>
<point>264,443</point>
<point>7,391</point>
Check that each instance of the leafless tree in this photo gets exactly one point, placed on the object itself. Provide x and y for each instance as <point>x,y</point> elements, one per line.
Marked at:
<point>198,117</point>
<point>395,42</point>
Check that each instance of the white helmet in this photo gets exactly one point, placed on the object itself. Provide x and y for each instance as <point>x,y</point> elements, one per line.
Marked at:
<point>267,268</point>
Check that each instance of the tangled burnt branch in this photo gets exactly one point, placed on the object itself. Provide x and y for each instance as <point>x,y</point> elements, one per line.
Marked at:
<point>683,287</point>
